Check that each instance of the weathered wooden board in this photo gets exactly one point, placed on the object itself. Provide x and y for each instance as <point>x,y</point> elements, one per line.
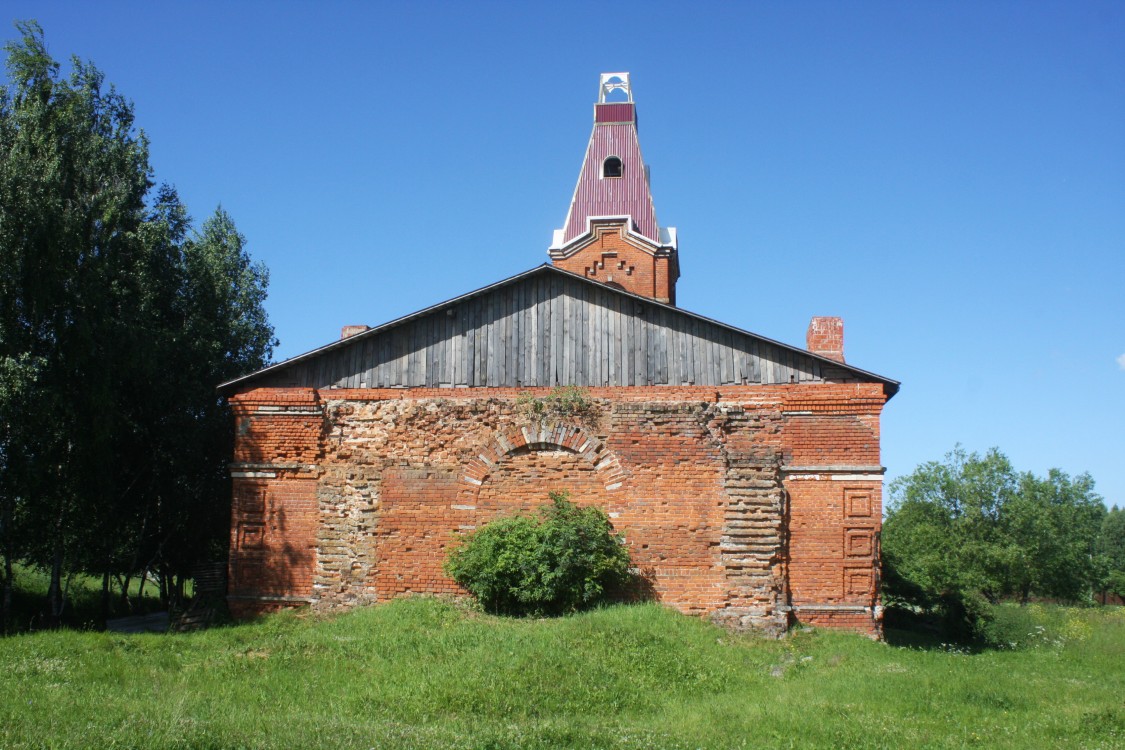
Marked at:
<point>548,329</point>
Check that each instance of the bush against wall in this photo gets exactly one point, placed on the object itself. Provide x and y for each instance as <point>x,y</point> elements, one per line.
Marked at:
<point>562,559</point>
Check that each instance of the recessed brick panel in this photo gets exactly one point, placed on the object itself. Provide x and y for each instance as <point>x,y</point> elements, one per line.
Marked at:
<point>857,503</point>
<point>859,542</point>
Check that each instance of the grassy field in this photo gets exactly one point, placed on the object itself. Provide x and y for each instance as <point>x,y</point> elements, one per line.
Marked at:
<point>420,673</point>
<point>83,600</point>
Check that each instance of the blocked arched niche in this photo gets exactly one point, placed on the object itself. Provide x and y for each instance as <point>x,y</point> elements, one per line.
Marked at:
<point>521,444</point>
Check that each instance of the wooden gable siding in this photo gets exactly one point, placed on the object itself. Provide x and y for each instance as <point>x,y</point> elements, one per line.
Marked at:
<point>547,330</point>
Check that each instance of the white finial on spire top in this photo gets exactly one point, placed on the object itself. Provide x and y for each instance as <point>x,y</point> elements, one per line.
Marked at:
<point>614,82</point>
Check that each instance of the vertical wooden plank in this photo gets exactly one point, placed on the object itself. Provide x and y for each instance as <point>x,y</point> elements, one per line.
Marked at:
<point>527,332</point>
<point>687,375</point>
<point>593,333</point>
<point>559,333</point>
<point>636,343</point>
<point>611,340</point>
<point>379,372</point>
<point>363,357</point>
<point>348,378</point>
<point>360,368</point>
<point>503,335</point>
<point>647,376</point>
<point>458,352</point>
<point>588,310</point>
<point>726,376</point>
<point>511,331</point>
<point>421,354</point>
<point>707,364</point>
<point>565,343</point>
<point>371,361</point>
<point>479,342</point>
<point>392,374</point>
<point>673,352</point>
<point>504,299</point>
<point>409,361</point>
<point>491,365</point>
<point>621,354</point>
<point>519,327</point>
<point>451,347</point>
<point>543,332</point>
<point>547,331</point>
<point>433,337</point>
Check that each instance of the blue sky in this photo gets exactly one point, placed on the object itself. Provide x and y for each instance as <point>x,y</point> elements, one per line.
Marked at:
<point>947,177</point>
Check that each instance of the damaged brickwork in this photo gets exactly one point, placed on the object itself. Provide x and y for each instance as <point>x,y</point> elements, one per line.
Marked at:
<point>756,506</point>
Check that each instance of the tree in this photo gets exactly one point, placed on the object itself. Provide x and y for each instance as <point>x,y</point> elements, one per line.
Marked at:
<point>1051,528</point>
<point>222,331</point>
<point>1111,549</point>
<point>73,177</point>
<point>971,529</point>
<point>116,324</point>
<point>942,530</point>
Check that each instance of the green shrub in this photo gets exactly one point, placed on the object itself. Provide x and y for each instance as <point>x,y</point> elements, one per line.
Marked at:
<point>562,559</point>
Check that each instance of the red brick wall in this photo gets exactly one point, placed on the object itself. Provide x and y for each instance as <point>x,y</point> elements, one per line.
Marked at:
<point>612,257</point>
<point>735,501</point>
<point>273,543</point>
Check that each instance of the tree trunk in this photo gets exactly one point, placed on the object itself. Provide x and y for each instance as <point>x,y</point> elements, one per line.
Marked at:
<point>141,588</point>
<point>126,605</point>
<point>105,594</point>
<point>54,590</point>
<point>6,596</point>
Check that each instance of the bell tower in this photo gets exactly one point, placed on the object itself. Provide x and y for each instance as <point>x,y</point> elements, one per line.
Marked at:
<point>611,234</point>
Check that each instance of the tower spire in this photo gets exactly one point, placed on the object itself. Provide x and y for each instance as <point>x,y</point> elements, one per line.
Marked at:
<point>611,233</point>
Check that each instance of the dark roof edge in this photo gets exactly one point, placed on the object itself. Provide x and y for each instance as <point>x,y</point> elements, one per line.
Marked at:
<point>890,386</point>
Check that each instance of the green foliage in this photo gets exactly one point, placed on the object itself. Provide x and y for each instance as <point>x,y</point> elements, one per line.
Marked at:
<point>969,530</point>
<point>116,324</point>
<point>564,558</point>
<point>422,673</point>
<point>562,403</point>
<point>1111,551</point>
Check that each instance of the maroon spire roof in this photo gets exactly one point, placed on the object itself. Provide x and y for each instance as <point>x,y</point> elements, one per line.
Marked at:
<point>614,179</point>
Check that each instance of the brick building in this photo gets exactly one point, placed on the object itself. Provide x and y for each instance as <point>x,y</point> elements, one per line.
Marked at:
<point>743,472</point>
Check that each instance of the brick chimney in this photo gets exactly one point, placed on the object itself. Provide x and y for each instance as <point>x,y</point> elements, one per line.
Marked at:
<point>348,331</point>
<point>826,337</point>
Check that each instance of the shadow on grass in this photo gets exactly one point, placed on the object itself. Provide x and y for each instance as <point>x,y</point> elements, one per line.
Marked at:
<point>904,628</point>
<point>82,608</point>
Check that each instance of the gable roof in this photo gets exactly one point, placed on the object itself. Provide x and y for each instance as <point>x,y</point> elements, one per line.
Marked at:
<point>547,327</point>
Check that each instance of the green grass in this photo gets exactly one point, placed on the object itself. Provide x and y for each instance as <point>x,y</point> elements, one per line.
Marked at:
<point>83,599</point>
<point>421,673</point>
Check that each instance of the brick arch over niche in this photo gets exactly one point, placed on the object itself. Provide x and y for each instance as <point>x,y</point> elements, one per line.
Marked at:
<point>582,449</point>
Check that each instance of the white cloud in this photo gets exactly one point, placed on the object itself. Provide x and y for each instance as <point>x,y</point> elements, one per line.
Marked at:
<point>1121,361</point>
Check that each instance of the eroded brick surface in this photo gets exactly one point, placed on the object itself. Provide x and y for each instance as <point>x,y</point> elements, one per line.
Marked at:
<point>346,497</point>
